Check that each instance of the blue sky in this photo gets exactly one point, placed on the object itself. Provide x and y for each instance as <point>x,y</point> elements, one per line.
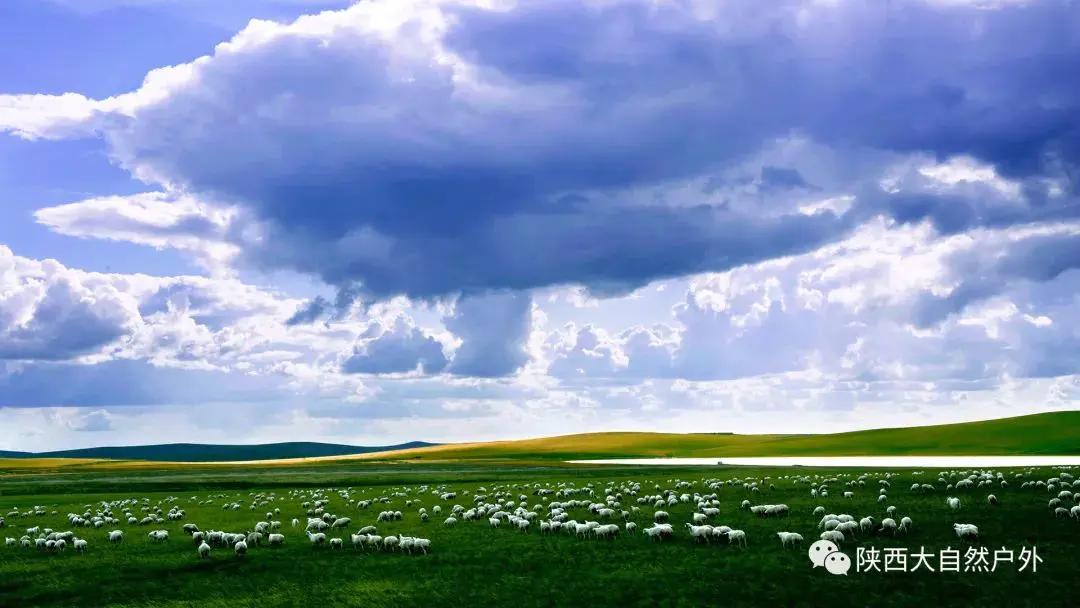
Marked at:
<point>454,220</point>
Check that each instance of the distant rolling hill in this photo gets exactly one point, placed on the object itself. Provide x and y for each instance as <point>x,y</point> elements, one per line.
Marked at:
<point>1054,433</point>
<point>195,452</point>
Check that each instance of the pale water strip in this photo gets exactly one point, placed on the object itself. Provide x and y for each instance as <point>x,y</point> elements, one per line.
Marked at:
<point>907,462</point>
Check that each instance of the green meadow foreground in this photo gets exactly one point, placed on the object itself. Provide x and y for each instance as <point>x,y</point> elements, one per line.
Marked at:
<point>472,563</point>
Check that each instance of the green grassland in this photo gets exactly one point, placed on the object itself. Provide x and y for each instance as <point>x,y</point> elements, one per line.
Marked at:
<point>472,564</point>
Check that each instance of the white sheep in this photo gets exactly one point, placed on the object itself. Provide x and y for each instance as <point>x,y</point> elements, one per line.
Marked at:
<point>699,532</point>
<point>276,539</point>
<point>789,538</point>
<point>204,550</point>
<point>737,537</point>
<point>450,522</point>
<point>240,548</point>
<point>316,538</point>
<point>905,524</point>
<point>953,503</point>
<point>631,526</point>
<point>658,531</point>
<point>660,516</point>
<point>966,531</point>
<point>79,545</point>
<point>116,536</point>
<point>834,536</point>
<point>993,500</point>
<point>845,527</point>
<point>336,543</point>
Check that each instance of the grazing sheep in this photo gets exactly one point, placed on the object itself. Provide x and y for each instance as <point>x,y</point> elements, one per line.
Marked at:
<point>833,535</point>
<point>789,538</point>
<point>116,536</point>
<point>659,531</point>
<point>737,537</point>
<point>953,503</point>
<point>631,526</point>
<point>905,524</point>
<point>316,538</point>
<point>336,543</point>
<point>79,545</point>
<point>204,550</point>
<point>966,531</point>
<point>699,532</point>
<point>847,526</point>
<point>660,516</point>
<point>276,539</point>
<point>450,522</point>
<point>240,548</point>
<point>992,499</point>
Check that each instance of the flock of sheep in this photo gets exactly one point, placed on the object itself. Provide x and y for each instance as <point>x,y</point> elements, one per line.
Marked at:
<point>599,506</point>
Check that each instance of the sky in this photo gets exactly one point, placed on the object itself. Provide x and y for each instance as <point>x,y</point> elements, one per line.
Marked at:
<point>465,220</point>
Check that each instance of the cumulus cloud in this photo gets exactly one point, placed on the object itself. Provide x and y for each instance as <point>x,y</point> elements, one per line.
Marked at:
<point>48,314</point>
<point>398,349</point>
<point>454,146</point>
<point>890,305</point>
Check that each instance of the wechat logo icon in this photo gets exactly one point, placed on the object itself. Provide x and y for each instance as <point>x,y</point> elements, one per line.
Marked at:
<point>826,554</point>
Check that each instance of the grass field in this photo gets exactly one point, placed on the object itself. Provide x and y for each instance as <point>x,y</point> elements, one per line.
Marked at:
<point>472,564</point>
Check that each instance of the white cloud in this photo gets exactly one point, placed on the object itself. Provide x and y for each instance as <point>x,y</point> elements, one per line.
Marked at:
<point>536,220</point>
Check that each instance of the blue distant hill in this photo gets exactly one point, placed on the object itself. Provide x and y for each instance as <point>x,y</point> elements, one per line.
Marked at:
<point>197,452</point>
